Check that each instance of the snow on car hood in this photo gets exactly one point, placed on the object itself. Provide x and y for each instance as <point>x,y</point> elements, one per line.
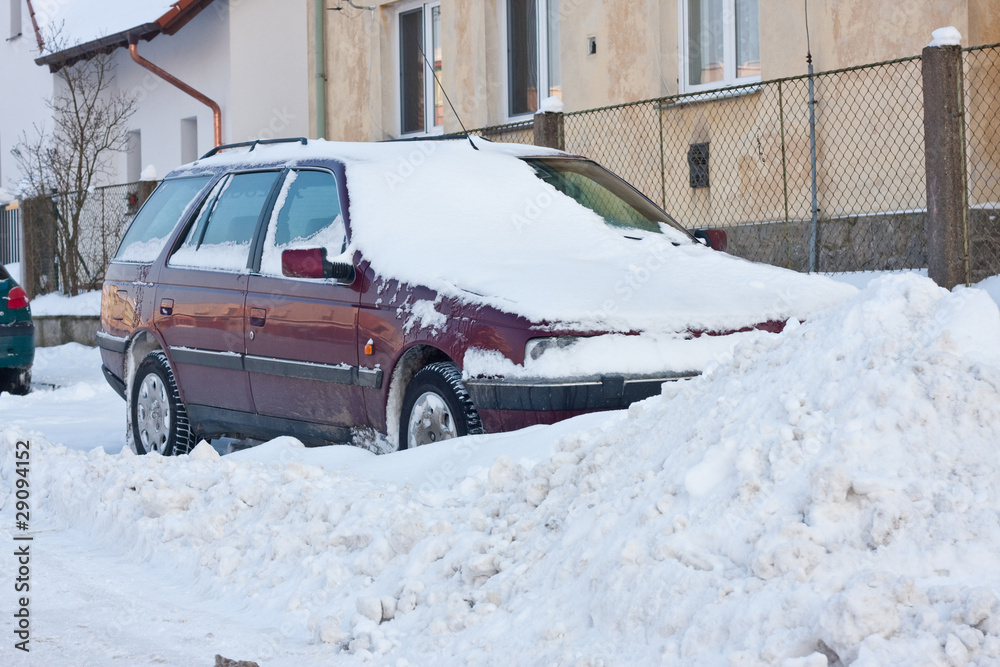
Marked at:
<point>480,226</point>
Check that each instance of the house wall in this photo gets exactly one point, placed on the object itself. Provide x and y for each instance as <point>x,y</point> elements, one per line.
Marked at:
<point>268,74</point>
<point>247,55</point>
<point>24,90</point>
<point>637,51</point>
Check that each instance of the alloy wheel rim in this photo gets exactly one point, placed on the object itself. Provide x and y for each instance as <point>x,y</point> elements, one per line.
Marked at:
<point>430,421</point>
<point>153,414</point>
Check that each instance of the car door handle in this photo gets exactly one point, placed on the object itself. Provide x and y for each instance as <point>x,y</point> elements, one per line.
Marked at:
<point>257,317</point>
<point>166,306</point>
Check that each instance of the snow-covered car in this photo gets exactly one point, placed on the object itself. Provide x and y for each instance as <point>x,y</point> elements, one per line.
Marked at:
<point>17,336</point>
<point>419,290</point>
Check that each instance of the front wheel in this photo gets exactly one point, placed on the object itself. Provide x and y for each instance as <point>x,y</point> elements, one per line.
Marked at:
<point>159,420</point>
<point>437,407</point>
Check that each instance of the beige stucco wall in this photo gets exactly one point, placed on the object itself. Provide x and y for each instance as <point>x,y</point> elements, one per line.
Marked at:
<point>637,51</point>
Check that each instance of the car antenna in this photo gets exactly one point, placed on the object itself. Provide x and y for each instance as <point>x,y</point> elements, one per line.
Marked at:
<point>445,93</point>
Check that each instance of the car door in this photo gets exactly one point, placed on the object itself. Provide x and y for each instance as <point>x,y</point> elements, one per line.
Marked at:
<point>201,295</point>
<point>302,347</point>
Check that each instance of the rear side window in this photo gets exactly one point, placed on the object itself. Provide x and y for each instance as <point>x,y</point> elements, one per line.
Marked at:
<point>221,235</point>
<point>148,233</point>
<point>307,214</point>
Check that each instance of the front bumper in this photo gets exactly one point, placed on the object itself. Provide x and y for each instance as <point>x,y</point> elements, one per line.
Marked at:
<point>608,392</point>
<point>17,345</point>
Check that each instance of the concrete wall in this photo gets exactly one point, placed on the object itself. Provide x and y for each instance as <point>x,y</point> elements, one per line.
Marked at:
<point>60,329</point>
<point>637,51</point>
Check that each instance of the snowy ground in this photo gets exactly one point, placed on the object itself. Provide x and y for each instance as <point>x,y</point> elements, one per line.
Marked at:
<point>830,495</point>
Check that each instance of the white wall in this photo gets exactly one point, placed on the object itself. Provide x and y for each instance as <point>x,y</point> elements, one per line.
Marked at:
<point>269,42</point>
<point>198,54</point>
<point>250,56</point>
<point>24,89</point>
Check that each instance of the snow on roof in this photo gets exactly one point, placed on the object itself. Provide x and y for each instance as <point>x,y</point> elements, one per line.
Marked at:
<point>479,226</point>
<point>82,21</point>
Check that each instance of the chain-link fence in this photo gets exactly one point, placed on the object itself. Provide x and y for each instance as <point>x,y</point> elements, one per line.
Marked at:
<point>742,159</point>
<point>982,122</point>
<point>105,215</point>
<point>103,221</point>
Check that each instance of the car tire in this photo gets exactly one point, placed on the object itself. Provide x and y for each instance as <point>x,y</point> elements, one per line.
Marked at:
<point>16,381</point>
<point>159,420</point>
<point>437,407</point>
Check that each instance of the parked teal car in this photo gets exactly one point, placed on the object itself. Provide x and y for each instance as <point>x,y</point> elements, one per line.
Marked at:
<point>17,336</point>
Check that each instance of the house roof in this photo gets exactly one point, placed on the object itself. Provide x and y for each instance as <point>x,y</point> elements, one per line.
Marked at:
<point>88,27</point>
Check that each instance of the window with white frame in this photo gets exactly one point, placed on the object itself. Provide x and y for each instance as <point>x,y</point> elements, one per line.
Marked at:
<point>421,101</point>
<point>532,39</point>
<point>720,43</point>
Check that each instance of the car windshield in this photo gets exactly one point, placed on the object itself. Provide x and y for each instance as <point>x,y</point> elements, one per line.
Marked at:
<point>593,186</point>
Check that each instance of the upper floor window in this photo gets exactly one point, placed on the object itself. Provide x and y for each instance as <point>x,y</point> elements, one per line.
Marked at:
<point>532,54</point>
<point>421,102</point>
<point>720,43</point>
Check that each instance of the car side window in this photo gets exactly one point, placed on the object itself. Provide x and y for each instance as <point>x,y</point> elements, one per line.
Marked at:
<point>221,235</point>
<point>148,233</point>
<point>307,214</point>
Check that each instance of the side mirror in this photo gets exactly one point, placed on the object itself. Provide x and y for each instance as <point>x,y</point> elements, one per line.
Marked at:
<point>312,263</point>
<point>715,239</point>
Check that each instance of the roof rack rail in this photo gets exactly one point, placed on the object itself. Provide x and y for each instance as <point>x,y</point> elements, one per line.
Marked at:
<point>253,144</point>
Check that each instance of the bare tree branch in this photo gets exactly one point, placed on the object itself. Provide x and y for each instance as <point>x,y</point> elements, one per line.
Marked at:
<point>90,126</point>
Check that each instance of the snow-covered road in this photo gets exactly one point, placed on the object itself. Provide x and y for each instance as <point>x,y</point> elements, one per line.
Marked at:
<point>830,494</point>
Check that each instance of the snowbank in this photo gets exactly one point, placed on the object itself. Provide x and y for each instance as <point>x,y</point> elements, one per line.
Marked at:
<point>55,303</point>
<point>832,493</point>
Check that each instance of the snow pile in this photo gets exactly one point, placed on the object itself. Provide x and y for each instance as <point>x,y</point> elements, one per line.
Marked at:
<point>949,36</point>
<point>831,494</point>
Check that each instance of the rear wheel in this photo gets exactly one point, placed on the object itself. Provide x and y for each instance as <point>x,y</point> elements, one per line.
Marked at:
<point>437,407</point>
<point>17,381</point>
<point>159,419</point>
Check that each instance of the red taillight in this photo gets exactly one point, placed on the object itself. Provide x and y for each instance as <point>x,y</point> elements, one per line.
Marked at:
<point>17,298</point>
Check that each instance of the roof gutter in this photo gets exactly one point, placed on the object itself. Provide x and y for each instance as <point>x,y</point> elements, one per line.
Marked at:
<point>133,50</point>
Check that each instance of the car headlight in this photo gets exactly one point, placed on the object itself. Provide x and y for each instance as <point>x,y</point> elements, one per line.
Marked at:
<point>536,347</point>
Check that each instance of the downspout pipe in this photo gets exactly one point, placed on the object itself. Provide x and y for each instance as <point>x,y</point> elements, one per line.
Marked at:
<point>133,50</point>
<point>319,49</point>
<point>34,25</point>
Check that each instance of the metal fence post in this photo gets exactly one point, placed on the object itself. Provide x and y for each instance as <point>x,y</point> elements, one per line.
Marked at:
<point>944,150</point>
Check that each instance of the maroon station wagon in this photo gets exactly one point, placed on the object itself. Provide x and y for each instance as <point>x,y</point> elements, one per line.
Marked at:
<point>327,291</point>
